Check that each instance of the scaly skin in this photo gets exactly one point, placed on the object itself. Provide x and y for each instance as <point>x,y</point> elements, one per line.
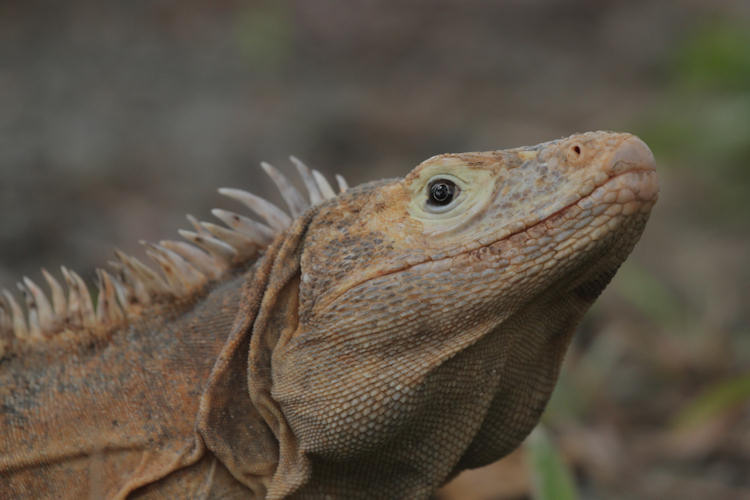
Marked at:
<point>379,346</point>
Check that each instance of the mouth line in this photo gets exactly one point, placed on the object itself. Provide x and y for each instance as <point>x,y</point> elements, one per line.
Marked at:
<point>546,218</point>
<point>506,237</point>
<point>570,205</point>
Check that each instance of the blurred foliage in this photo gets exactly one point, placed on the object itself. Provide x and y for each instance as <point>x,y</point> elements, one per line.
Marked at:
<point>716,57</point>
<point>703,121</point>
<point>702,127</point>
<point>651,296</point>
<point>551,478</point>
<point>718,399</point>
<point>265,35</point>
<point>569,401</point>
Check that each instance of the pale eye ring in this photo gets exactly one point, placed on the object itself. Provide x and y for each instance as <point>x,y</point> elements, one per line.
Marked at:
<point>441,192</point>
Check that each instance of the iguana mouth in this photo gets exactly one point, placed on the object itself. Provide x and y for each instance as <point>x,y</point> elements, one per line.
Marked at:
<point>634,168</point>
<point>632,160</point>
<point>644,182</point>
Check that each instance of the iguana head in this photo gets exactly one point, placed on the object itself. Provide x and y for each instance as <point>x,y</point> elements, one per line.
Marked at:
<point>434,310</point>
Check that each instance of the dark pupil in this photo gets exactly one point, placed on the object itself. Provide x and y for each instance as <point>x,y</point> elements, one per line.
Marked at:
<point>441,192</point>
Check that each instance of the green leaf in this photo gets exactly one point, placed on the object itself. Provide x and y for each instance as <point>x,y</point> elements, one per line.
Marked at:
<point>714,401</point>
<point>550,476</point>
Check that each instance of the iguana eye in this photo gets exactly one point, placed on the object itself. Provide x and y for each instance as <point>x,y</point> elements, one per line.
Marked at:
<point>442,192</point>
<point>442,199</point>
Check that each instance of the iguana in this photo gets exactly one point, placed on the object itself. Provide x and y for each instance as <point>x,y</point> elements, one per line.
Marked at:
<point>369,344</point>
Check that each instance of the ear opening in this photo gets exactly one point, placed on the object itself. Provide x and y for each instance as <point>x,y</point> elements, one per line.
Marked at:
<point>238,420</point>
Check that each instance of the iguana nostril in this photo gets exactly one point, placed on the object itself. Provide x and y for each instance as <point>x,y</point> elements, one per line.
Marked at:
<point>575,153</point>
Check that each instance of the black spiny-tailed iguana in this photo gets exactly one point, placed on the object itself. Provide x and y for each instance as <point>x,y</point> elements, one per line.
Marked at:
<point>369,345</point>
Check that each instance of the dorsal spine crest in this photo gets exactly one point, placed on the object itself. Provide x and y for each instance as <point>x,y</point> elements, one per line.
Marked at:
<point>184,267</point>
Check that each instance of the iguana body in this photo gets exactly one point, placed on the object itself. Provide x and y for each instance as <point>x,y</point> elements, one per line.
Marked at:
<point>370,346</point>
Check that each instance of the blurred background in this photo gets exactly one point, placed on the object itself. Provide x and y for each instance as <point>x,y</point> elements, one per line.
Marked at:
<point>118,118</point>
